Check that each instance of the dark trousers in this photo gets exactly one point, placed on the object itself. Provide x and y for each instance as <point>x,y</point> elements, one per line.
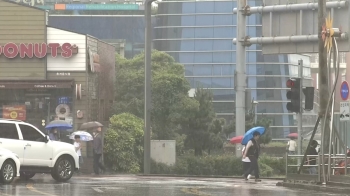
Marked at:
<point>253,167</point>
<point>246,166</point>
<point>97,164</point>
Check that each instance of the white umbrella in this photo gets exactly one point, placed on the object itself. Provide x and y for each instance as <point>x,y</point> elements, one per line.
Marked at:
<point>84,136</point>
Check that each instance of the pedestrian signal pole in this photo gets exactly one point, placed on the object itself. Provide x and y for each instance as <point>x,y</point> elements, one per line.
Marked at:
<point>300,114</point>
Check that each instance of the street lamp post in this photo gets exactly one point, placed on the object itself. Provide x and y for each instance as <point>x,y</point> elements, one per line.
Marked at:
<point>148,95</point>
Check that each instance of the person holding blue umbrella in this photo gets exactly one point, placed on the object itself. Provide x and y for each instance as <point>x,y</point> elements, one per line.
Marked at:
<point>252,151</point>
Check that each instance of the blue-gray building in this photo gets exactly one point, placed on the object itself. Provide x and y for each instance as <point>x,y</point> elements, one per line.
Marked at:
<point>199,35</point>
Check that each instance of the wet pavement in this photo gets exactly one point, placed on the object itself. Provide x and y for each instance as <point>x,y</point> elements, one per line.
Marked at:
<point>147,186</point>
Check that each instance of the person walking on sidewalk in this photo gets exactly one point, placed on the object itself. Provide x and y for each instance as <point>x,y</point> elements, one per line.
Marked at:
<point>98,149</point>
<point>292,146</point>
<point>246,163</point>
<point>252,152</point>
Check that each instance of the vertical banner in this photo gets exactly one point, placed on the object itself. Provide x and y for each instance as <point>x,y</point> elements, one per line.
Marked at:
<point>17,112</point>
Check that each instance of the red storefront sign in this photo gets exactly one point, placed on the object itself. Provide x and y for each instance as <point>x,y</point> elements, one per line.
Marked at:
<point>12,50</point>
<point>17,112</point>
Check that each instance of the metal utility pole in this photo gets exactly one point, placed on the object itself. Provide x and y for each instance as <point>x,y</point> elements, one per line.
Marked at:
<point>300,114</point>
<point>148,95</point>
<point>240,75</point>
<point>323,85</point>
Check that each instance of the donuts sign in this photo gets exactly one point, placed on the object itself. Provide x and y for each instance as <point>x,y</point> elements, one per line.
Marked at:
<point>38,50</point>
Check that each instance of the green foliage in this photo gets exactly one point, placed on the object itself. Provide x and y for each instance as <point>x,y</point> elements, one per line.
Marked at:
<point>264,122</point>
<point>223,165</point>
<point>170,101</point>
<point>203,129</point>
<point>123,143</point>
<point>250,118</point>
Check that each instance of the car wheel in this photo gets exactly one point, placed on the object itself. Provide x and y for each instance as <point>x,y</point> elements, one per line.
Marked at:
<point>63,170</point>
<point>26,175</point>
<point>8,172</point>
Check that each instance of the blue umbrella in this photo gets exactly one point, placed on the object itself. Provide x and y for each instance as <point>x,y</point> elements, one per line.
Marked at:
<point>59,124</point>
<point>249,134</point>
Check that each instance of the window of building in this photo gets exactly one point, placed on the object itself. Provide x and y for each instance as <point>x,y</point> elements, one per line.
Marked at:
<point>223,57</point>
<point>223,44</point>
<point>223,19</point>
<point>224,107</point>
<point>204,20</point>
<point>224,6</point>
<point>8,131</point>
<point>187,20</point>
<point>202,70</point>
<point>187,7</point>
<point>188,70</point>
<point>225,32</point>
<point>203,57</point>
<point>224,94</point>
<point>205,32</point>
<point>187,32</point>
<point>185,57</point>
<point>202,82</point>
<point>30,134</point>
<point>203,45</point>
<point>222,82</point>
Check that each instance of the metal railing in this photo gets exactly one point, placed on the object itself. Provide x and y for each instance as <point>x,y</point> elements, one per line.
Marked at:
<point>332,167</point>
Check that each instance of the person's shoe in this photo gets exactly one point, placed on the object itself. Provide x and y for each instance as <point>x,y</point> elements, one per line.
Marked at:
<point>257,180</point>
<point>249,176</point>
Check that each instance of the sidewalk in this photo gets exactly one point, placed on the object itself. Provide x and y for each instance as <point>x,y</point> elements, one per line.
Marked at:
<point>330,188</point>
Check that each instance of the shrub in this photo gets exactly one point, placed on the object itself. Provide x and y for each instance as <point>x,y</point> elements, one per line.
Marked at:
<point>123,143</point>
<point>223,165</point>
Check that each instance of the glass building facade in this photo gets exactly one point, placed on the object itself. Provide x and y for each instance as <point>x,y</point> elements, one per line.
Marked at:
<point>199,35</point>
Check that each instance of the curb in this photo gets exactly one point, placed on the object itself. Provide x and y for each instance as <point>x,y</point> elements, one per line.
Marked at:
<point>318,188</point>
<point>202,176</point>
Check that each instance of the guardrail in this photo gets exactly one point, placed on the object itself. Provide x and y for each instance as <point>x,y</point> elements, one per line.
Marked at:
<point>333,166</point>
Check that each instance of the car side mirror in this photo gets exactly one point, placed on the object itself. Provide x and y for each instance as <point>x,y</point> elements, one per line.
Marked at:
<point>46,138</point>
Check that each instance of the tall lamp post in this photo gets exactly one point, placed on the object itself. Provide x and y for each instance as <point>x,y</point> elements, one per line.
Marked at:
<point>148,92</point>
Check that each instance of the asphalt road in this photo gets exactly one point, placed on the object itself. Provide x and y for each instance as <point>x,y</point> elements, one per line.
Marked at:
<point>146,186</point>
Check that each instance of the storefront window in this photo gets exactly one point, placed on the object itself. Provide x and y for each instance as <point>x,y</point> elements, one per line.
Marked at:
<point>36,106</point>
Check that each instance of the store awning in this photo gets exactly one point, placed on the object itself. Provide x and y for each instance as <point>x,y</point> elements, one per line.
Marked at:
<point>38,84</point>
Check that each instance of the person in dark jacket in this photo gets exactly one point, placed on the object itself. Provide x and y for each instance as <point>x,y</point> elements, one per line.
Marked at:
<point>98,150</point>
<point>252,152</point>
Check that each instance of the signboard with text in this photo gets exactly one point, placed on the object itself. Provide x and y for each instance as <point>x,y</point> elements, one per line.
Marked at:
<point>17,112</point>
<point>38,50</point>
<point>344,111</point>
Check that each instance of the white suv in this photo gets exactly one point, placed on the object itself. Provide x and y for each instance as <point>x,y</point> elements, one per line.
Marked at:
<point>36,152</point>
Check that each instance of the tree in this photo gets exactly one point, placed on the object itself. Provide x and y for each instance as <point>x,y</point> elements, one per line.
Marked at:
<point>123,144</point>
<point>170,102</point>
<point>265,122</point>
<point>250,123</point>
<point>203,129</point>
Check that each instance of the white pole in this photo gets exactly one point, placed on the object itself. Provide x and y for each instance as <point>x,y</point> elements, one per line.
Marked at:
<point>240,73</point>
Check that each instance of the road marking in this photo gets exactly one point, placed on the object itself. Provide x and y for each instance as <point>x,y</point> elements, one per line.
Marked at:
<point>31,188</point>
<point>98,189</point>
<point>194,191</point>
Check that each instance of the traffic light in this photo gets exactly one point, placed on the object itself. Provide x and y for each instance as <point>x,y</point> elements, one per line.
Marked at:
<point>294,94</point>
<point>309,98</point>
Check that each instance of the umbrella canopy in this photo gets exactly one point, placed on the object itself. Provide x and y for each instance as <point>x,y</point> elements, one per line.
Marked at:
<point>90,125</point>
<point>293,135</point>
<point>236,140</point>
<point>84,136</point>
<point>59,124</point>
<point>249,134</point>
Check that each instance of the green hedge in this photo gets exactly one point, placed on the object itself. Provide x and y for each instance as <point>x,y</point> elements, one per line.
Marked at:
<point>221,165</point>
